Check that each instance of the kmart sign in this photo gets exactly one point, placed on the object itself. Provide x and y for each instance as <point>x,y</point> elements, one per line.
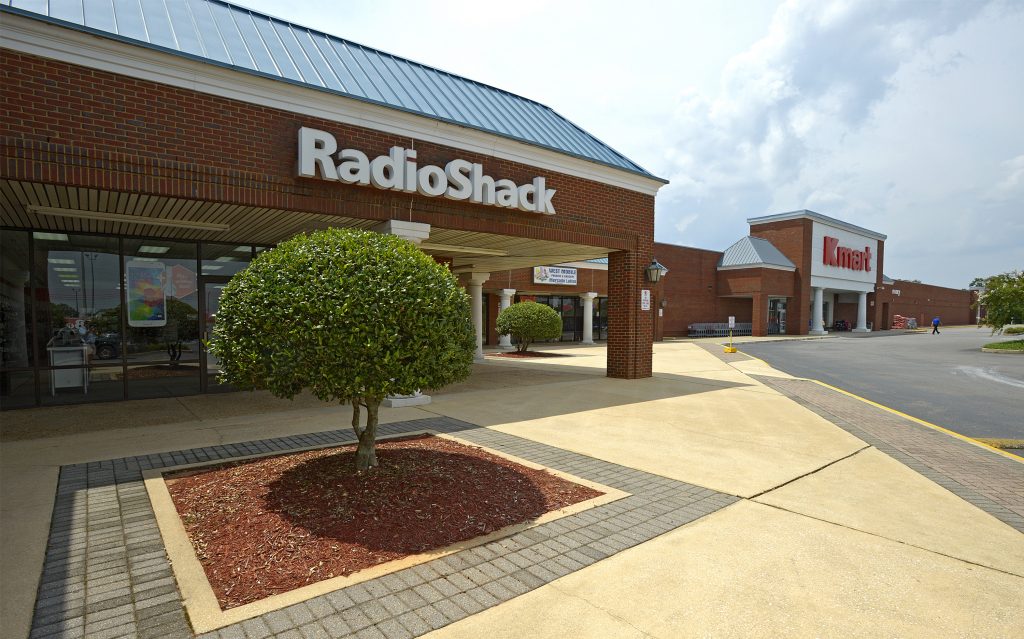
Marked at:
<point>397,171</point>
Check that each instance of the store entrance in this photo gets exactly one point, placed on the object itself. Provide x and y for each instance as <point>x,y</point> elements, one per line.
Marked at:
<point>777,316</point>
<point>210,292</point>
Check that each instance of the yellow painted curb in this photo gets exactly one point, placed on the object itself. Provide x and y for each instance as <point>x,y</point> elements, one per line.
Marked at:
<point>922,422</point>
<point>916,420</point>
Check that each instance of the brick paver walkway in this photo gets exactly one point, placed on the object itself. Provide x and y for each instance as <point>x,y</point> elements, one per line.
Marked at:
<point>988,480</point>
<point>106,574</point>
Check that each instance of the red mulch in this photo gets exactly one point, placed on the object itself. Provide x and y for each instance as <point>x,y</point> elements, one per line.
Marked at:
<point>273,524</point>
<point>518,355</point>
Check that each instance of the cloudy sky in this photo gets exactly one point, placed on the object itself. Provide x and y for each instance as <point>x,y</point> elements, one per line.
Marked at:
<point>902,116</point>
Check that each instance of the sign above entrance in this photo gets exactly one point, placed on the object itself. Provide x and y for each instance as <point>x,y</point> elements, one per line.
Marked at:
<point>554,275</point>
<point>843,257</point>
<point>397,171</point>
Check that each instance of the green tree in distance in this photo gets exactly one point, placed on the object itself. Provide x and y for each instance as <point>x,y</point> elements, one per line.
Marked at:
<point>1003,300</point>
<point>350,315</point>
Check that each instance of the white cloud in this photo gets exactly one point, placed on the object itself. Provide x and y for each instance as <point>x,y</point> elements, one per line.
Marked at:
<point>902,117</point>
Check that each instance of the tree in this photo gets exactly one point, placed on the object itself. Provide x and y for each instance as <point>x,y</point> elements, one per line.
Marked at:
<point>1003,299</point>
<point>529,321</point>
<point>978,282</point>
<point>350,315</point>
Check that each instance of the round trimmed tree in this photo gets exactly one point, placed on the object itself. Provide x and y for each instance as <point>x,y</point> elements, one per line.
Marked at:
<point>350,315</point>
<point>528,322</point>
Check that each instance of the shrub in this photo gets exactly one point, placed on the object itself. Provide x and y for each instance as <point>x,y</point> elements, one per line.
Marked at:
<point>529,321</point>
<point>1003,299</point>
<point>1012,345</point>
<point>350,315</point>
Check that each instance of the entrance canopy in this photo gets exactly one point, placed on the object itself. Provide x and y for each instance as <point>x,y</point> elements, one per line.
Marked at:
<point>66,209</point>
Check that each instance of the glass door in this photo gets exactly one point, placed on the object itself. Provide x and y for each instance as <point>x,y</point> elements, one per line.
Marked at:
<point>776,316</point>
<point>212,287</point>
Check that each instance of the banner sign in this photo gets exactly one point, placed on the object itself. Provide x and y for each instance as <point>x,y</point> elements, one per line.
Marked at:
<point>554,275</point>
<point>147,302</point>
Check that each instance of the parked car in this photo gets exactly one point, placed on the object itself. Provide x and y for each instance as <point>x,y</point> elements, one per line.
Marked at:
<point>108,346</point>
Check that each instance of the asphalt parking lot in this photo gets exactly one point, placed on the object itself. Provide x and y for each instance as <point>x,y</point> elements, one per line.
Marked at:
<point>944,379</point>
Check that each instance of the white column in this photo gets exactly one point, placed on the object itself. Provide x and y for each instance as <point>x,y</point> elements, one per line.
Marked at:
<point>816,312</point>
<point>862,313</point>
<point>414,232</point>
<point>475,285</point>
<point>505,341</point>
<point>588,317</point>
<point>830,319</point>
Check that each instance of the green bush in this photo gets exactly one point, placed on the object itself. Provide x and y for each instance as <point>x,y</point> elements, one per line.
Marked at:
<point>1012,345</point>
<point>1013,330</point>
<point>1003,299</point>
<point>529,321</point>
<point>350,315</point>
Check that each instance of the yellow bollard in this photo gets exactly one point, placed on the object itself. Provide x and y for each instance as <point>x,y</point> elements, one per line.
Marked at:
<point>730,348</point>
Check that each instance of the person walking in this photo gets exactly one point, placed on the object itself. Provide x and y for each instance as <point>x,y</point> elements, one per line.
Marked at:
<point>935,325</point>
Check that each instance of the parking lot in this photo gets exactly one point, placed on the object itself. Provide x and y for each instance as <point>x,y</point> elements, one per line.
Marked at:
<point>945,379</point>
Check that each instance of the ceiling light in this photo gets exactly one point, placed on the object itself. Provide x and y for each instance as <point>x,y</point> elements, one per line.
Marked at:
<point>243,249</point>
<point>71,269</point>
<point>144,259</point>
<point>154,249</point>
<point>126,219</point>
<point>227,258</point>
<point>212,267</point>
<point>60,260</point>
<point>57,237</point>
<point>71,282</point>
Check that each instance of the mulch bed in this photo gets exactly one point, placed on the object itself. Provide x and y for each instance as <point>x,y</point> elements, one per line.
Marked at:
<point>273,524</point>
<point>518,355</point>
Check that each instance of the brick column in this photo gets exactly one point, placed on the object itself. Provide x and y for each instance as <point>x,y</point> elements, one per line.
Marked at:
<point>759,315</point>
<point>630,330</point>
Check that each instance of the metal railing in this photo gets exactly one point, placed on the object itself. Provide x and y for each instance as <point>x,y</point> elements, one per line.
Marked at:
<point>718,329</point>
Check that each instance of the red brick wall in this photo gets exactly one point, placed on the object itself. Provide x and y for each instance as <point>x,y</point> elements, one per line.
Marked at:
<point>67,124</point>
<point>521,279</point>
<point>793,239</point>
<point>689,289</point>
<point>925,301</point>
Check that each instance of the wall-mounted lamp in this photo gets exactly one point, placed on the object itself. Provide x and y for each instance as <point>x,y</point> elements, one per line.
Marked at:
<point>655,271</point>
<point>664,303</point>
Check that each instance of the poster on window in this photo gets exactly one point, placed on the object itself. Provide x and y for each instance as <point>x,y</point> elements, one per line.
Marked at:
<point>147,302</point>
<point>554,275</point>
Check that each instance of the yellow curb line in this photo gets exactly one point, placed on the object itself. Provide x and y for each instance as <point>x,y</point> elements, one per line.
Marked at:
<point>922,422</point>
<point>902,414</point>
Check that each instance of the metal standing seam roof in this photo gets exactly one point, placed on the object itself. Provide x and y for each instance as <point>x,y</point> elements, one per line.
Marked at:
<point>754,252</point>
<point>232,36</point>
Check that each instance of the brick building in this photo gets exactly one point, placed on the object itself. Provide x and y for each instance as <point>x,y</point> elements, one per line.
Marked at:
<point>160,148</point>
<point>769,282</point>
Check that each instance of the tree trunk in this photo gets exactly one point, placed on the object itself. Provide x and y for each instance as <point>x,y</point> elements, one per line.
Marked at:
<point>366,454</point>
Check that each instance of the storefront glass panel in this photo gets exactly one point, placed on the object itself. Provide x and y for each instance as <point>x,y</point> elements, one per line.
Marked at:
<point>78,343</point>
<point>163,328</point>
<point>15,301</point>
<point>224,260</point>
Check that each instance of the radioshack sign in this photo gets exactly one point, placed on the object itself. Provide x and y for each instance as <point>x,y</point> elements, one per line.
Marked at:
<point>398,171</point>
<point>843,257</point>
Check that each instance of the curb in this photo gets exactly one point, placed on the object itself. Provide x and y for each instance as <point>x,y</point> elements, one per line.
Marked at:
<point>1001,351</point>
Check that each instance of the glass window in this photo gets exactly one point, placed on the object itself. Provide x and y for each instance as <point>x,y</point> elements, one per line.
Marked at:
<point>224,260</point>
<point>162,348</point>
<point>77,317</point>
<point>15,300</point>
<point>17,389</point>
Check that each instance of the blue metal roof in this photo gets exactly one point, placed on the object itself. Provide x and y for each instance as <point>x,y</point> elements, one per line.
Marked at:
<point>233,36</point>
<point>754,252</point>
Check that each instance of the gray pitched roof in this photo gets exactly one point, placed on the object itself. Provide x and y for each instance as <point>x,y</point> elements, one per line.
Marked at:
<point>754,252</point>
<point>232,36</point>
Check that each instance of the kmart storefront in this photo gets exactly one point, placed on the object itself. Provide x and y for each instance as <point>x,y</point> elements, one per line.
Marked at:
<point>138,172</point>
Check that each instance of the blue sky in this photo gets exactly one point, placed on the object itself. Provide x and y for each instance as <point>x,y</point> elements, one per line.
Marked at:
<point>903,116</point>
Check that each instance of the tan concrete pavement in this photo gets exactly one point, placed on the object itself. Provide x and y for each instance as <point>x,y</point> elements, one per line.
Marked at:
<point>750,570</point>
<point>863,544</point>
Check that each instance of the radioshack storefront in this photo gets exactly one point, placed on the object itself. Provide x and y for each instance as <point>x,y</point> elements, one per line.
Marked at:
<point>181,150</point>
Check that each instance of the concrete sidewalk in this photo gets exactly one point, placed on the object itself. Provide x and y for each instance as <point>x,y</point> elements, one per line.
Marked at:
<point>830,536</point>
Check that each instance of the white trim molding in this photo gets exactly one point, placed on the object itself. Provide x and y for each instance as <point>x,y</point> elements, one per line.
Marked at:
<point>48,40</point>
<point>817,217</point>
<point>740,267</point>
